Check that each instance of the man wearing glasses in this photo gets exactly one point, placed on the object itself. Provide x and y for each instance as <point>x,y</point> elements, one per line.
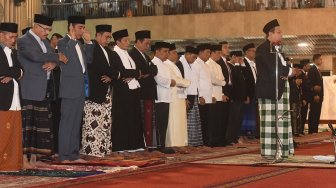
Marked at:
<point>39,59</point>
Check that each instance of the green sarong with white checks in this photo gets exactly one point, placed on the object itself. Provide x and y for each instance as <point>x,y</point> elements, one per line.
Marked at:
<point>267,126</point>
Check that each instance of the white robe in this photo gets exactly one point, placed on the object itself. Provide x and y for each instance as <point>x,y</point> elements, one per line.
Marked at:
<point>177,134</point>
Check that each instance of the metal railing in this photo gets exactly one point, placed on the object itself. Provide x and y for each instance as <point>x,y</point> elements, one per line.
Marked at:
<point>129,8</point>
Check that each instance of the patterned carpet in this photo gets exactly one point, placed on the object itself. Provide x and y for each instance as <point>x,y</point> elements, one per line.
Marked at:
<point>117,164</point>
<point>306,161</point>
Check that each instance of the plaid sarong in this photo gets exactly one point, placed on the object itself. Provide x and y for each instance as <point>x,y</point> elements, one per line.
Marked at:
<point>267,126</point>
<point>194,126</point>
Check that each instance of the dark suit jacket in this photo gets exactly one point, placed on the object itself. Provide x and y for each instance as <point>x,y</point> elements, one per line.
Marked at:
<point>294,90</point>
<point>148,84</point>
<point>227,89</point>
<point>315,79</point>
<point>239,89</point>
<point>72,83</point>
<point>306,93</point>
<point>249,78</point>
<point>99,67</point>
<point>119,84</point>
<point>266,66</point>
<point>32,58</point>
<point>6,90</point>
<point>180,67</point>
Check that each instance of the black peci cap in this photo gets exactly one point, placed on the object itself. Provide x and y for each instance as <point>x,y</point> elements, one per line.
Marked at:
<point>42,19</point>
<point>120,34</point>
<point>9,27</point>
<point>103,28</point>
<point>270,25</point>
<point>143,34</point>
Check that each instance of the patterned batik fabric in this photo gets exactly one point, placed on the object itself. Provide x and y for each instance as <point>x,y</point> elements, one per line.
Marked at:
<point>267,126</point>
<point>194,126</point>
<point>10,140</point>
<point>96,130</point>
<point>37,128</point>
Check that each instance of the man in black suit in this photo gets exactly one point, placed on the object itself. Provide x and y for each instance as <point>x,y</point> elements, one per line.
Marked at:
<point>250,73</point>
<point>295,99</point>
<point>305,94</point>
<point>315,82</point>
<point>96,140</point>
<point>227,73</point>
<point>239,97</point>
<point>148,91</point>
<point>10,107</point>
<point>266,56</point>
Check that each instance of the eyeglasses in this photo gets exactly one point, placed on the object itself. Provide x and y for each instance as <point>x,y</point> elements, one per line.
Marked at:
<point>45,28</point>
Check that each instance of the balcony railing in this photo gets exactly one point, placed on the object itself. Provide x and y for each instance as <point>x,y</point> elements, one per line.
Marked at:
<point>129,8</point>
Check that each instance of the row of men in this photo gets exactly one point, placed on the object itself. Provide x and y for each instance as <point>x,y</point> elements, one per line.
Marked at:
<point>201,75</point>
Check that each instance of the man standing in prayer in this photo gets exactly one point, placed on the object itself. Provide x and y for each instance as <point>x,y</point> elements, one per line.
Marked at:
<point>165,82</point>
<point>37,88</point>
<point>239,97</point>
<point>266,95</point>
<point>177,134</point>
<point>74,87</point>
<point>10,109</point>
<point>127,132</point>
<point>295,90</point>
<point>250,74</point>
<point>97,119</point>
<point>205,88</point>
<point>56,104</point>
<point>227,89</point>
<point>315,82</point>
<point>215,111</point>
<point>191,72</point>
<point>148,91</point>
<point>305,94</point>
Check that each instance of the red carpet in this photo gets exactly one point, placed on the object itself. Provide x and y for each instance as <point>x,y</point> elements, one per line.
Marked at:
<point>315,149</point>
<point>303,178</point>
<point>189,175</point>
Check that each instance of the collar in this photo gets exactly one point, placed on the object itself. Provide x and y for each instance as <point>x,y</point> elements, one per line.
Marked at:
<point>316,66</point>
<point>35,36</point>
<point>249,61</point>
<point>3,46</point>
<point>138,49</point>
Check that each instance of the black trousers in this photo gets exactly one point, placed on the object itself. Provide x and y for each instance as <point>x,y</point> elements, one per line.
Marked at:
<point>215,124</point>
<point>235,121</point>
<point>314,116</point>
<point>161,118</point>
<point>304,112</point>
<point>203,109</point>
<point>226,108</point>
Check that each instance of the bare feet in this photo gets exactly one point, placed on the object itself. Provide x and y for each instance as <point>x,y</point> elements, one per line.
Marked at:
<point>65,161</point>
<point>26,164</point>
<point>79,161</point>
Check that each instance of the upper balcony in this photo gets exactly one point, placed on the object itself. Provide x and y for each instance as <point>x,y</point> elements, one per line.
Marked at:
<point>133,8</point>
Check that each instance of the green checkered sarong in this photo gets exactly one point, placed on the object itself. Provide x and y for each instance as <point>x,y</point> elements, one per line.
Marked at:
<point>267,126</point>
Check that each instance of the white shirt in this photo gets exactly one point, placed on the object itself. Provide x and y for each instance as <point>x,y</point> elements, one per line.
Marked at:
<point>80,55</point>
<point>253,67</point>
<point>229,70</point>
<point>205,84</point>
<point>191,72</point>
<point>43,47</point>
<point>163,80</point>
<point>179,91</point>
<point>217,79</point>
<point>16,96</point>
<point>105,53</point>
<point>128,63</point>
